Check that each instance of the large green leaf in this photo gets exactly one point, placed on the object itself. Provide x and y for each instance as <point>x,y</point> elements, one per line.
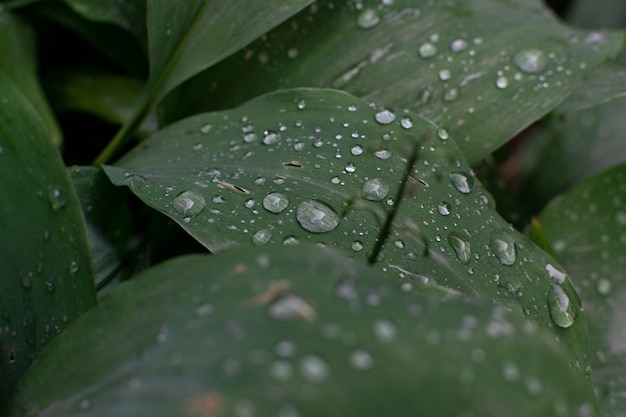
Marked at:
<point>45,273</point>
<point>587,231</point>
<point>453,62</point>
<point>295,331</point>
<point>18,60</point>
<point>322,166</point>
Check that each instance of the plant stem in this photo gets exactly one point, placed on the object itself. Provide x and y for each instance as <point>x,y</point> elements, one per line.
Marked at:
<point>391,214</point>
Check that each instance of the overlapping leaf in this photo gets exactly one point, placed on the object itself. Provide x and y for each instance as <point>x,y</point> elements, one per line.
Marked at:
<point>287,331</point>
<point>587,230</point>
<point>453,62</point>
<point>322,166</point>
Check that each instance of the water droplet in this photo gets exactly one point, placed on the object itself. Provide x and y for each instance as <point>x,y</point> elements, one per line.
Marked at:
<point>462,182</point>
<point>406,122</point>
<point>243,408</point>
<point>375,189</point>
<point>56,197</point>
<point>458,45</point>
<point>50,287</point>
<point>189,203</point>
<point>350,167</point>
<point>204,129</point>
<point>502,82</point>
<point>533,386</point>
<point>316,217</point>
<point>461,245</point>
<point>290,241</point>
<point>427,50</point>
<point>530,61</point>
<point>445,74</point>
<point>249,137</point>
<point>357,246</point>
<point>384,117</point>
<point>385,331</point>
<point>314,369</point>
<point>383,154</point>
<point>275,202</point>
<point>290,307</point>
<point>301,105</point>
<point>443,208</point>
<point>561,309</point>
<point>281,370</point>
<point>451,94</point>
<point>361,360</point>
<point>603,286</point>
<point>73,267</point>
<point>510,371</point>
<point>203,310</point>
<point>558,276</point>
<point>261,237</point>
<point>197,146</point>
<point>271,138</point>
<point>398,244</point>
<point>503,247</point>
<point>442,134</point>
<point>356,150</point>
<point>368,18</point>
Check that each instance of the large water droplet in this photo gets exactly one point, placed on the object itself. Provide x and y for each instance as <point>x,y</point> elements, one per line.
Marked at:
<point>384,117</point>
<point>56,197</point>
<point>290,307</point>
<point>189,203</point>
<point>502,82</point>
<point>406,122</point>
<point>261,237</point>
<point>271,138</point>
<point>443,208</point>
<point>275,202</point>
<point>385,330</point>
<point>531,60</point>
<point>503,247</point>
<point>458,45</point>
<point>356,150</point>
<point>375,189</point>
<point>361,360</point>
<point>561,310</point>
<point>427,50</point>
<point>316,217</point>
<point>462,182</point>
<point>314,369</point>
<point>368,18</point>
<point>383,154</point>
<point>461,245</point>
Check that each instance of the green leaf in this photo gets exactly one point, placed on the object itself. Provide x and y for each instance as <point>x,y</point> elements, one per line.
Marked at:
<point>453,62</point>
<point>295,331</point>
<point>128,14</point>
<point>110,97</point>
<point>321,166</point>
<point>108,220</point>
<point>47,279</point>
<point>18,60</point>
<point>587,230</point>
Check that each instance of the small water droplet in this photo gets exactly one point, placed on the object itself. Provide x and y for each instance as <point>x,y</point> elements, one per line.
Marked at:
<point>73,267</point>
<point>271,138</point>
<point>462,182</point>
<point>503,247</point>
<point>281,370</point>
<point>250,137</point>
<point>383,154</point>
<point>461,245</point>
<point>368,18</point>
<point>398,244</point>
<point>502,82</point>
<point>375,189</point>
<point>197,146</point>
<point>458,45</point>
<point>290,307</point>
<point>356,150</point>
<point>451,94</point>
<point>442,134</point>
<point>427,50</point>
<point>290,241</point>
<point>385,330</point>
<point>531,60</point>
<point>357,246</point>
<point>189,203</point>
<point>204,129</point>
<point>510,371</point>
<point>275,202</point>
<point>301,105</point>
<point>384,117</point>
<point>203,310</point>
<point>445,74</point>
<point>603,286</point>
<point>56,197</point>
<point>314,369</point>
<point>361,360</point>
<point>243,408</point>
<point>261,237</point>
<point>560,306</point>
<point>50,287</point>
<point>443,208</point>
<point>285,348</point>
<point>316,217</point>
<point>406,122</point>
<point>350,168</point>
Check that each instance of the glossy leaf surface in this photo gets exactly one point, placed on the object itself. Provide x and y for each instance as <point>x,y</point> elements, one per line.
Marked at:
<point>295,331</point>
<point>321,166</point>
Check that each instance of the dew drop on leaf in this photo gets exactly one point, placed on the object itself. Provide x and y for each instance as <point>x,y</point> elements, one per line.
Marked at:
<point>383,154</point>
<point>290,307</point>
<point>314,369</point>
<point>406,122</point>
<point>271,138</point>
<point>261,237</point>
<point>385,330</point>
<point>375,189</point>
<point>275,202</point>
<point>384,117</point>
<point>531,60</point>
<point>368,18</point>
<point>361,360</point>
<point>356,150</point>
<point>560,306</point>
<point>427,50</point>
<point>603,287</point>
<point>503,247</point>
<point>458,45</point>
<point>461,245</point>
<point>462,182</point>
<point>502,82</point>
<point>443,208</point>
<point>189,203</point>
<point>357,246</point>
<point>316,217</point>
<point>56,197</point>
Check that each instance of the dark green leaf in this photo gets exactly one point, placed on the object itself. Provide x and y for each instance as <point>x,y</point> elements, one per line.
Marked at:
<point>18,60</point>
<point>453,62</point>
<point>46,275</point>
<point>296,331</point>
<point>587,230</point>
<point>322,166</point>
